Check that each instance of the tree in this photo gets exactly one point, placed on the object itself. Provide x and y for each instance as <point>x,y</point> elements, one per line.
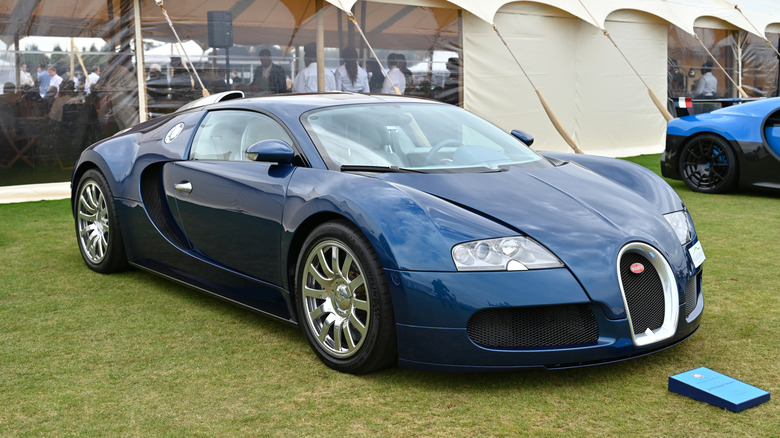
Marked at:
<point>33,60</point>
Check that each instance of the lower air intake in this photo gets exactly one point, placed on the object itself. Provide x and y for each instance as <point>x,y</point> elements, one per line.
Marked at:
<point>534,327</point>
<point>691,295</point>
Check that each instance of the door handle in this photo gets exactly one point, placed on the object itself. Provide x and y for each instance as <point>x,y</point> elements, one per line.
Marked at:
<point>184,186</point>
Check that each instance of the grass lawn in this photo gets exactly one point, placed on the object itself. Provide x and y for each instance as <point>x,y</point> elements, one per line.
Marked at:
<point>135,355</point>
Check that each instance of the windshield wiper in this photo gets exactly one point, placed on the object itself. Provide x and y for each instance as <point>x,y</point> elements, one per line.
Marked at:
<point>376,169</point>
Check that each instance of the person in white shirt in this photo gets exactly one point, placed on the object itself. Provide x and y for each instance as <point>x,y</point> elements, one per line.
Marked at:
<point>707,85</point>
<point>394,77</point>
<point>55,79</point>
<point>306,80</point>
<point>24,76</point>
<point>94,76</point>
<point>351,77</point>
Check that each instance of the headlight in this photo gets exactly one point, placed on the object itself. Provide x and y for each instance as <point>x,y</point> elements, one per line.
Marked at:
<point>682,224</point>
<point>517,253</point>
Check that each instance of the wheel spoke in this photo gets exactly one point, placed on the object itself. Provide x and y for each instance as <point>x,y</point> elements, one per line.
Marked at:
<point>326,325</point>
<point>361,328</point>
<point>323,263</point>
<point>349,337</point>
<point>318,278</point>
<point>87,217</point>
<point>317,312</point>
<point>338,328</point>
<point>318,294</point>
<point>360,304</point>
<point>356,283</point>
<point>344,269</point>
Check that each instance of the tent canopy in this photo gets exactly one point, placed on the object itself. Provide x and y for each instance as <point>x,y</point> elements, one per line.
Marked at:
<point>275,22</point>
<point>756,15</point>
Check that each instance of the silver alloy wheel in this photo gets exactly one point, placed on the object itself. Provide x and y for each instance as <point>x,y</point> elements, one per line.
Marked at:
<point>93,223</point>
<point>336,302</point>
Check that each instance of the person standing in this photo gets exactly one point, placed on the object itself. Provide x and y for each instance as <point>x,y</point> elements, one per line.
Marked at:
<point>269,77</point>
<point>401,59</point>
<point>395,79</point>
<point>24,76</point>
<point>43,80</point>
<point>707,85</point>
<point>93,77</point>
<point>54,79</point>
<point>306,80</point>
<point>351,77</point>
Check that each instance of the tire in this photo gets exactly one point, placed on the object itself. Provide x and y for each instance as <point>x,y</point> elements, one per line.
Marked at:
<point>343,301</point>
<point>708,165</point>
<point>97,225</point>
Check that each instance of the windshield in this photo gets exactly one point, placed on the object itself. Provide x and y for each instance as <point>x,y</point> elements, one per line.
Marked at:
<point>417,136</point>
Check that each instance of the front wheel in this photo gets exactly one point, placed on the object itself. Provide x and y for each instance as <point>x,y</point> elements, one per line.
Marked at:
<point>97,225</point>
<point>708,165</point>
<point>343,301</point>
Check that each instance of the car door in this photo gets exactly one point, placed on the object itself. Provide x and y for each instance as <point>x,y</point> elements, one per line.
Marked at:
<point>230,208</point>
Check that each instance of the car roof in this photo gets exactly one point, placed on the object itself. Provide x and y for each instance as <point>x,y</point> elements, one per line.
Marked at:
<point>300,103</point>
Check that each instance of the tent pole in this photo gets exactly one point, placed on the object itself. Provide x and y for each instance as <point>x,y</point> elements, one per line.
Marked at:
<point>18,62</point>
<point>320,48</point>
<point>371,49</point>
<point>140,69</point>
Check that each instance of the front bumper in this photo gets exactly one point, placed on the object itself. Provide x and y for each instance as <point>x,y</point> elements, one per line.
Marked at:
<point>433,310</point>
<point>670,159</point>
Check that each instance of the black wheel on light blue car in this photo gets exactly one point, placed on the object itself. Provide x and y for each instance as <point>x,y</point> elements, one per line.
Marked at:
<point>97,225</point>
<point>343,301</point>
<point>708,164</point>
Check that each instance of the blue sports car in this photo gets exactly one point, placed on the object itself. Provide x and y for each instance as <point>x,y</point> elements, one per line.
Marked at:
<point>737,146</point>
<point>395,230</point>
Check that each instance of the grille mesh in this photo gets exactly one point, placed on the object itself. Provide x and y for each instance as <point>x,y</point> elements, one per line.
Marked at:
<point>691,292</point>
<point>644,293</point>
<point>534,327</point>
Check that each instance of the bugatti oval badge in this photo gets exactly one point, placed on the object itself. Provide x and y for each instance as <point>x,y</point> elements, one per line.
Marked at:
<point>174,132</point>
<point>637,268</point>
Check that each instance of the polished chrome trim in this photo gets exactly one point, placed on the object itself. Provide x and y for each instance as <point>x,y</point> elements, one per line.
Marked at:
<point>671,295</point>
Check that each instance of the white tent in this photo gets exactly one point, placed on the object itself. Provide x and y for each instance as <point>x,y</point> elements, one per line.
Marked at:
<point>594,92</point>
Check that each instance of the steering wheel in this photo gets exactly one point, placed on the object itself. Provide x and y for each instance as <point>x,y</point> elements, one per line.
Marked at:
<point>438,146</point>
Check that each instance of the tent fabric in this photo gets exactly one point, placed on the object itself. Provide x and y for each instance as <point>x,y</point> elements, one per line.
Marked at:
<point>681,13</point>
<point>592,90</point>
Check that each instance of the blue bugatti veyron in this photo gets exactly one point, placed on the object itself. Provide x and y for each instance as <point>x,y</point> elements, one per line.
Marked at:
<point>737,146</point>
<point>395,230</point>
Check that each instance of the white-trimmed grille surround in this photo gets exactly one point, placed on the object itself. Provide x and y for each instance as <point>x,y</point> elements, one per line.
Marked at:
<point>670,294</point>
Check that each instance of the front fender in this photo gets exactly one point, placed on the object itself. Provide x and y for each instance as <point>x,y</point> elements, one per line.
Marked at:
<point>409,230</point>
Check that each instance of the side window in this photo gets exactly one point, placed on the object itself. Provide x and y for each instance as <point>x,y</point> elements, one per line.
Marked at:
<point>226,135</point>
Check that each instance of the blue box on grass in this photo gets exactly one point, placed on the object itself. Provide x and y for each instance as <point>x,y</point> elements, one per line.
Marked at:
<point>714,388</point>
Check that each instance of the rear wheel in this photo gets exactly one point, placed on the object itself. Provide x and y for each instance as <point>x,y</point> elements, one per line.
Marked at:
<point>97,226</point>
<point>708,165</point>
<point>343,301</point>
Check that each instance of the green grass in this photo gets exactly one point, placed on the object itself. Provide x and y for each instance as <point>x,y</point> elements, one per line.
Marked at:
<point>135,355</point>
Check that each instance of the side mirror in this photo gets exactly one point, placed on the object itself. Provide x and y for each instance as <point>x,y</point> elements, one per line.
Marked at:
<point>523,136</point>
<point>271,151</point>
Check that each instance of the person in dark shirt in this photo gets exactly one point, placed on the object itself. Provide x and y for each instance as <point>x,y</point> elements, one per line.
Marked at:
<point>269,77</point>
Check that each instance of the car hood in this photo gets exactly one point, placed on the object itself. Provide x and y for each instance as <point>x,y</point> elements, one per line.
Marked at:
<point>580,216</point>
